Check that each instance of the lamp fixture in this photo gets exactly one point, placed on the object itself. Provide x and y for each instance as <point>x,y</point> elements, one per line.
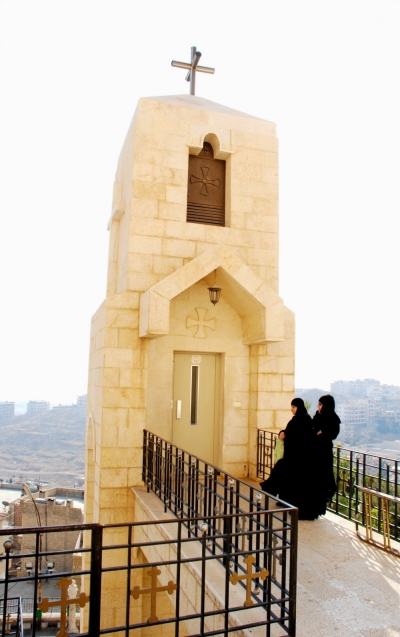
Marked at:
<point>214,293</point>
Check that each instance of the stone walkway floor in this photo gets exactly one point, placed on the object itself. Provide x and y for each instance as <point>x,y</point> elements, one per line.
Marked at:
<point>345,587</point>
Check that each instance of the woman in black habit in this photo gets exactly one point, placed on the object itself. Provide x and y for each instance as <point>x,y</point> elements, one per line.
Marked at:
<point>326,425</point>
<point>291,476</point>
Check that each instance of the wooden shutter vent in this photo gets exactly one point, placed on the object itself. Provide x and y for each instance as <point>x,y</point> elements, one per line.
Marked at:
<point>206,188</point>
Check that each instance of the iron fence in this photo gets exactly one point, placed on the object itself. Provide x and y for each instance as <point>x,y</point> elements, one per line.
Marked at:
<point>351,468</point>
<point>240,520</point>
<point>11,617</point>
<point>197,565</point>
<point>222,560</point>
<point>266,441</point>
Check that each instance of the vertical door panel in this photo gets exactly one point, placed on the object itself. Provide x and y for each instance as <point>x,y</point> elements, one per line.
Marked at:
<point>193,420</point>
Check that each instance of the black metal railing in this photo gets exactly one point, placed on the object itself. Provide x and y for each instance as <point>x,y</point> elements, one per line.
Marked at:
<point>266,441</point>
<point>351,467</point>
<point>241,520</point>
<point>195,566</point>
<point>221,560</point>
<point>11,621</point>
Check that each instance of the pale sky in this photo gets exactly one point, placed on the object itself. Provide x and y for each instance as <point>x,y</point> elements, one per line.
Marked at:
<point>326,72</point>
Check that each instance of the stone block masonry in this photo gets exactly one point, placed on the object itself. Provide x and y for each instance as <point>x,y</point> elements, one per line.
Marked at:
<point>157,305</point>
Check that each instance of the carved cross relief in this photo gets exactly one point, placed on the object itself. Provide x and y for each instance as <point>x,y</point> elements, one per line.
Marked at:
<point>201,322</point>
<point>205,182</point>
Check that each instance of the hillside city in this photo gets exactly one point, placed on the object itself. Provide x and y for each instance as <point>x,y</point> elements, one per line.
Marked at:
<point>46,443</point>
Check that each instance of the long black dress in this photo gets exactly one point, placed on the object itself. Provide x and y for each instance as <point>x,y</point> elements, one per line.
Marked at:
<point>291,477</point>
<point>324,488</point>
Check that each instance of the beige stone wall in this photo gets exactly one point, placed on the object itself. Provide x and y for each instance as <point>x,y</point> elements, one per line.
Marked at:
<point>159,269</point>
<point>226,339</point>
<point>151,237</point>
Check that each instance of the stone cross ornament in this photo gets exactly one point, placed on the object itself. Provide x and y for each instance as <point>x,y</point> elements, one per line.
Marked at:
<point>192,68</point>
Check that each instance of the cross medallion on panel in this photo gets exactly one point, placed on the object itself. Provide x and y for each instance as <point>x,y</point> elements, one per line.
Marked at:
<point>205,182</point>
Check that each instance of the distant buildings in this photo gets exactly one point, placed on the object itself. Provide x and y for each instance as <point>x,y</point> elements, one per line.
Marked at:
<point>356,388</point>
<point>81,401</point>
<point>353,413</point>
<point>37,406</point>
<point>7,410</point>
<point>366,404</point>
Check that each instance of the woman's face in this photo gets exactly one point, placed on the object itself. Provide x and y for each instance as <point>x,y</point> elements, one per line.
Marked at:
<point>293,409</point>
<point>320,407</point>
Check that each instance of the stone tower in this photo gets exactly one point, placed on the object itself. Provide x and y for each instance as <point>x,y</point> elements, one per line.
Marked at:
<point>195,206</point>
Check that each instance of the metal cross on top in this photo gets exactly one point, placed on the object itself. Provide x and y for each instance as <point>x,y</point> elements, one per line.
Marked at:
<point>192,68</point>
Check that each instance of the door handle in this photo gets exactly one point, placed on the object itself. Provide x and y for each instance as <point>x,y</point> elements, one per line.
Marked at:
<point>178,409</point>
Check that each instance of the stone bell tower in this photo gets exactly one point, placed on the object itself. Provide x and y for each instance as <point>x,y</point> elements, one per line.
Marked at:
<point>195,206</point>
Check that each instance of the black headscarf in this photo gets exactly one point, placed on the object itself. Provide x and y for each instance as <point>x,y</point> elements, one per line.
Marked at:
<point>327,420</point>
<point>301,408</point>
<point>328,403</point>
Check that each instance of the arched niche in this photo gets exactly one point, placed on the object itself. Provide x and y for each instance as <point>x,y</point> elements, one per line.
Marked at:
<point>206,186</point>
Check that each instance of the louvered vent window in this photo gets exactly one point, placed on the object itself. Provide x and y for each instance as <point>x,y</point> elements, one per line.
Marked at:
<point>206,188</point>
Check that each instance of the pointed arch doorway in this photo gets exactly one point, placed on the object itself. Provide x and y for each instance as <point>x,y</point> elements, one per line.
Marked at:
<point>196,403</point>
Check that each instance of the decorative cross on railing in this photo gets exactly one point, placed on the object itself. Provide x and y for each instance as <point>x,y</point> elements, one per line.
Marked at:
<point>249,576</point>
<point>185,492</point>
<point>65,601</point>
<point>205,181</point>
<point>8,624</point>
<point>201,323</point>
<point>242,529</point>
<point>275,558</point>
<point>200,499</point>
<point>192,68</point>
<point>217,511</point>
<point>153,590</point>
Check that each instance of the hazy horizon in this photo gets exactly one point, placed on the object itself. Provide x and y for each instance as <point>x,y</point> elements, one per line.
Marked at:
<point>71,401</point>
<point>71,75</point>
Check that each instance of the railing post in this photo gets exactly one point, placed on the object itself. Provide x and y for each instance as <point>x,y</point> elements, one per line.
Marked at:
<point>271,451</point>
<point>337,476</point>
<point>396,468</point>
<point>356,490</point>
<point>7,547</point>
<point>95,581</point>
<point>293,571</point>
<point>144,460</point>
<point>203,528</point>
<point>350,494</point>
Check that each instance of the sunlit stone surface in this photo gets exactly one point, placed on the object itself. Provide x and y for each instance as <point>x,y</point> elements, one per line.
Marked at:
<point>345,587</point>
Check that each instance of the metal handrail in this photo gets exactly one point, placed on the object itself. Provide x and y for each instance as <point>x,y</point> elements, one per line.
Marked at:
<point>197,490</point>
<point>14,624</point>
<point>250,542</point>
<point>369,499</point>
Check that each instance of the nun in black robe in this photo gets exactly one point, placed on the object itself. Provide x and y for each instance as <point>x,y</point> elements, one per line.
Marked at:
<point>291,477</point>
<point>326,426</point>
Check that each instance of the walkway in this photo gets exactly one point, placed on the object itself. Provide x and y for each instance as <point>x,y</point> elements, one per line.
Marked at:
<point>345,587</point>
